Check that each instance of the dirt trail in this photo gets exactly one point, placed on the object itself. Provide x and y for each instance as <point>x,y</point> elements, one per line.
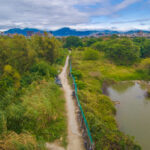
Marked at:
<point>75,141</point>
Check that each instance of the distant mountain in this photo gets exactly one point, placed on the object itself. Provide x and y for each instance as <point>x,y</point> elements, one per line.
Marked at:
<point>22,31</point>
<point>60,32</point>
<point>70,32</point>
<point>106,32</point>
<point>136,31</point>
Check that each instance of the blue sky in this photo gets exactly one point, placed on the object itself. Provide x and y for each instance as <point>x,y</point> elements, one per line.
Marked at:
<point>78,14</point>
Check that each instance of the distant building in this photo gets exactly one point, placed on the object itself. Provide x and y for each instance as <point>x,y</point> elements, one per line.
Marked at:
<point>30,33</point>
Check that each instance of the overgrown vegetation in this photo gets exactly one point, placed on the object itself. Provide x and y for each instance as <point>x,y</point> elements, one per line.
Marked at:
<point>118,59</point>
<point>32,107</point>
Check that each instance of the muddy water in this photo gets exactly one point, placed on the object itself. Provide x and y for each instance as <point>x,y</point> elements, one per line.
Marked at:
<point>133,111</point>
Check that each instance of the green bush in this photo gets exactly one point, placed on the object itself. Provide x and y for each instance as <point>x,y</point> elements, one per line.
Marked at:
<point>100,46</point>
<point>123,52</point>
<point>77,74</point>
<point>24,141</point>
<point>3,127</point>
<point>145,66</point>
<point>73,41</point>
<point>145,49</point>
<point>90,54</point>
<point>81,85</point>
<point>44,69</point>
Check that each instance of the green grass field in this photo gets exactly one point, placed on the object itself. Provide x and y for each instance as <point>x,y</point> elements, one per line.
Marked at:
<point>99,109</point>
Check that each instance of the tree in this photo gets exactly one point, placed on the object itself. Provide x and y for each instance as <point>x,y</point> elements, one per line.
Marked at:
<point>145,49</point>
<point>90,41</point>
<point>100,45</point>
<point>51,48</point>
<point>73,41</point>
<point>123,51</point>
<point>90,54</point>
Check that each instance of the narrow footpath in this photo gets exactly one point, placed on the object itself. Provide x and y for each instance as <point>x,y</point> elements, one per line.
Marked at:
<point>75,141</point>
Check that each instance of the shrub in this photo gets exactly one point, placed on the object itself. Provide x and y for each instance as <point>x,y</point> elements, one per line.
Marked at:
<point>24,141</point>
<point>81,85</point>
<point>3,127</point>
<point>44,69</point>
<point>100,46</point>
<point>145,49</point>
<point>123,52</point>
<point>77,74</point>
<point>73,41</point>
<point>90,54</point>
<point>145,66</point>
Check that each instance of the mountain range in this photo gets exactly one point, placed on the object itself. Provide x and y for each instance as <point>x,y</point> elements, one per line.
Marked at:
<point>68,32</point>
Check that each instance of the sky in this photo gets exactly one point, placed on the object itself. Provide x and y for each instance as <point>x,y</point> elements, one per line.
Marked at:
<point>77,14</point>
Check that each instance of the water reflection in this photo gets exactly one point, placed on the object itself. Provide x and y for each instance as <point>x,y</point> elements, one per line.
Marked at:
<point>133,110</point>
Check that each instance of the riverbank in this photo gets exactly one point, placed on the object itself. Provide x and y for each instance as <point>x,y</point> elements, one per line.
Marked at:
<point>99,109</point>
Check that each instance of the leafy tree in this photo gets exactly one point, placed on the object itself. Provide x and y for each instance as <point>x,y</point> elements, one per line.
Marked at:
<point>123,51</point>
<point>145,49</point>
<point>90,41</point>
<point>73,41</point>
<point>91,54</point>
<point>100,46</point>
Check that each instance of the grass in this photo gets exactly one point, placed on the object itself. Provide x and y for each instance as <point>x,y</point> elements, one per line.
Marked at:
<point>37,117</point>
<point>45,110</point>
<point>99,109</point>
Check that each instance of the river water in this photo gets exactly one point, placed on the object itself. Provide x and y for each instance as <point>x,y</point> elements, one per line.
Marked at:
<point>133,111</point>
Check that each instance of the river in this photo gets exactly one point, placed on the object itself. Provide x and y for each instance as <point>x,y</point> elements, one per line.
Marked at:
<point>133,111</point>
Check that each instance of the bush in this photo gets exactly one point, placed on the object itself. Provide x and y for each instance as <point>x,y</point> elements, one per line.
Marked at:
<point>24,141</point>
<point>44,114</point>
<point>91,54</point>
<point>123,52</point>
<point>3,127</point>
<point>145,49</point>
<point>44,69</point>
<point>100,46</point>
<point>145,66</point>
<point>73,41</point>
<point>77,74</point>
<point>81,85</point>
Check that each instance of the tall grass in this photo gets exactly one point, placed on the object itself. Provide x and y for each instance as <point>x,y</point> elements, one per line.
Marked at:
<point>99,109</point>
<point>36,117</point>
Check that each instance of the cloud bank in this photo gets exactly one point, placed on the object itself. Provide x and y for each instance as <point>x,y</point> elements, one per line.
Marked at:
<point>54,14</point>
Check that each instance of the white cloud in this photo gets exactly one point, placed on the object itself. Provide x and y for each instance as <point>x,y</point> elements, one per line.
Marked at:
<point>53,14</point>
<point>108,26</point>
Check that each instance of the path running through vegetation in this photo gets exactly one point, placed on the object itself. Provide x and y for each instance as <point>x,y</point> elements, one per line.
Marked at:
<point>75,141</point>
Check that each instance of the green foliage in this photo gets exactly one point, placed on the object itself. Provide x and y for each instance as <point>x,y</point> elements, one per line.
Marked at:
<point>44,69</point>
<point>100,46</point>
<point>26,104</point>
<point>77,74</point>
<point>139,40</point>
<point>3,127</point>
<point>145,66</point>
<point>99,109</point>
<point>90,41</point>
<point>45,111</point>
<point>40,112</point>
<point>24,141</point>
<point>73,41</point>
<point>123,52</point>
<point>145,49</point>
<point>90,54</point>
<point>81,85</point>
